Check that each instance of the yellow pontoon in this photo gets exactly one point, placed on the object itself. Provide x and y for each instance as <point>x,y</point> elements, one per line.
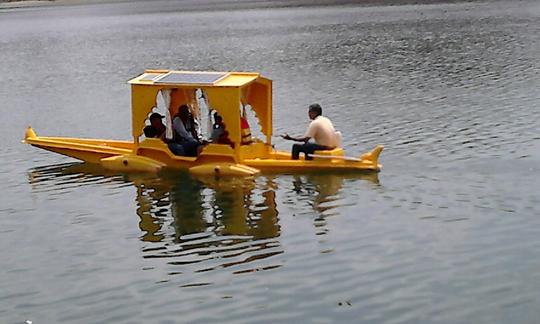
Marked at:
<point>225,92</point>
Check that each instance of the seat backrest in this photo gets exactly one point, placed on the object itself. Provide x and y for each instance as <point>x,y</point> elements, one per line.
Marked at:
<point>339,138</point>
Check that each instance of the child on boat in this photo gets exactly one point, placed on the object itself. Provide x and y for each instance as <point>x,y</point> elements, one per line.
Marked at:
<point>219,134</point>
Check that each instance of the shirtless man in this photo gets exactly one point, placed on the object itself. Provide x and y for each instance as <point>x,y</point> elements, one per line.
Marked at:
<point>320,129</point>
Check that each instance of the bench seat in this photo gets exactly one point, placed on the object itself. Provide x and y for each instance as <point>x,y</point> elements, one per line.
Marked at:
<point>338,151</point>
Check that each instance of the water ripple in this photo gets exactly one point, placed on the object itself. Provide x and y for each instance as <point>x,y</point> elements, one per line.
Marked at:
<point>447,232</point>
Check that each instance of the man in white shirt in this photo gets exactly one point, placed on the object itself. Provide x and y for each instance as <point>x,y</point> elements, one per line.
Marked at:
<point>320,129</point>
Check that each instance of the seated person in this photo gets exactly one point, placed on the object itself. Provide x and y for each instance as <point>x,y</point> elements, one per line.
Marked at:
<point>150,132</point>
<point>320,129</point>
<point>185,132</point>
<point>219,133</point>
<point>176,149</point>
<point>157,124</point>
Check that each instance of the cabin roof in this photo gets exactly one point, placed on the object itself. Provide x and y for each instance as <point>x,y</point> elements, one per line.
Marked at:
<point>194,78</point>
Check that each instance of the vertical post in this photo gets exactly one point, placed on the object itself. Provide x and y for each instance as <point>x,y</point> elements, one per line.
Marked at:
<point>270,112</point>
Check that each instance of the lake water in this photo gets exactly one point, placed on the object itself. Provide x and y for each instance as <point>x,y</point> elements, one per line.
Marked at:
<point>447,232</point>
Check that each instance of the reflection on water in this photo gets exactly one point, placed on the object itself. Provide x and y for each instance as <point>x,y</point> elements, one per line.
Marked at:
<point>188,220</point>
<point>217,223</point>
<point>323,189</point>
<point>235,221</point>
<point>322,193</point>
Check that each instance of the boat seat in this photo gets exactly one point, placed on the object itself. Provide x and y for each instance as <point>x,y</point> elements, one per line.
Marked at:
<point>338,151</point>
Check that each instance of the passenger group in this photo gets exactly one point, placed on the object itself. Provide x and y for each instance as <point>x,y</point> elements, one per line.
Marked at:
<point>187,141</point>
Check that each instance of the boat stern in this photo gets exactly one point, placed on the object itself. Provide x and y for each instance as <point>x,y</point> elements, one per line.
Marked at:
<point>29,134</point>
<point>372,157</point>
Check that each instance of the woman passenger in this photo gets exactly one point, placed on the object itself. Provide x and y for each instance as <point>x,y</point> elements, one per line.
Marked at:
<point>185,132</point>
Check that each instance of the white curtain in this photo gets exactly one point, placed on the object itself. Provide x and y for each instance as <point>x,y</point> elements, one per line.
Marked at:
<point>166,95</point>
<point>209,123</point>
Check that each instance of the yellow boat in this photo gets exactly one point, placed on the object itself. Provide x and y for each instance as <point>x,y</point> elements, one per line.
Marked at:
<point>228,93</point>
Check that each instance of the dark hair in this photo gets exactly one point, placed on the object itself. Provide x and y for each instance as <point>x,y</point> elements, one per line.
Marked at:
<point>316,108</point>
<point>156,115</point>
<point>150,132</point>
<point>217,118</point>
<point>183,108</point>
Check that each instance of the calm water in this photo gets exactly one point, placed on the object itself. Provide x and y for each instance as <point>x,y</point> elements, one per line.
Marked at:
<point>448,232</point>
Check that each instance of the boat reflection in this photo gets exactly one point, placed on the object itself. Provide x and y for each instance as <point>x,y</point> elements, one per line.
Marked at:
<point>322,189</point>
<point>224,222</point>
<point>207,223</point>
<point>244,207</point>
<point>323,193</point>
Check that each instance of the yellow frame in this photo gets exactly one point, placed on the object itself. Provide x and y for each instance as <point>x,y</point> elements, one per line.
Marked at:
<point>225,95</point>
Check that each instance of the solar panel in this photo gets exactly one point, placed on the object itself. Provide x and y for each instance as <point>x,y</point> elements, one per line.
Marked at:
<point>190,78</point>
<point>150,76</point>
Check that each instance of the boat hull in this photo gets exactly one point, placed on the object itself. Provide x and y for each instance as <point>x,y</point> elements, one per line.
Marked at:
<point>152,155</point>
<point>88,150</point>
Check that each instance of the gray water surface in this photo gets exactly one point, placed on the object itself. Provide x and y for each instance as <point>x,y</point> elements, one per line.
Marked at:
<point>448,232</point>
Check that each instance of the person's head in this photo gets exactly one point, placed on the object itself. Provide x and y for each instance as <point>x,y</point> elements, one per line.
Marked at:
<point>155,120</point>
<point>183,112</point>
<point>150,132</point>
<point>217,118</point>
<point>314,111</point>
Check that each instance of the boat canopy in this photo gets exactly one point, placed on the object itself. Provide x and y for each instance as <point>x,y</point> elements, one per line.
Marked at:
<point>226,92</point>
